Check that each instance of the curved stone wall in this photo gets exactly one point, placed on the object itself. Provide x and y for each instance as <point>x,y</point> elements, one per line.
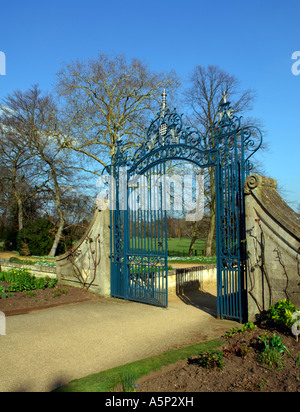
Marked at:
<point>89,260</point>
<point>273,246</point>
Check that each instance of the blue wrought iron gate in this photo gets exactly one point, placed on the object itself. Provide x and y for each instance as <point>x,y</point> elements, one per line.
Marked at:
<point>139,267</point>
<point>147,241</point>
<point>139,242</point>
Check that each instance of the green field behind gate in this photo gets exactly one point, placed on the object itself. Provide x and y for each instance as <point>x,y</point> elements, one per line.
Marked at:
<point>180,245</point>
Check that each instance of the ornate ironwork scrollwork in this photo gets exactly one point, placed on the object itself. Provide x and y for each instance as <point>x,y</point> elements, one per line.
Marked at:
<point>168,138</point>
<point>135,270</point>
<point>227,123</point>
<point>252,140</point>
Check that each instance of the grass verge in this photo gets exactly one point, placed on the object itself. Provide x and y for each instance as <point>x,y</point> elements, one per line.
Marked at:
<point>107,380</point>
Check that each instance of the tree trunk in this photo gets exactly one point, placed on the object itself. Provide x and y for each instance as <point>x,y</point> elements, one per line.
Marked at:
<point>59,210</point>
<point>57,238</point>
<point>20,212</point>
<point>212,206</point>
<point>18,199</point>
<point>210,236</point>
<point>193,239</point>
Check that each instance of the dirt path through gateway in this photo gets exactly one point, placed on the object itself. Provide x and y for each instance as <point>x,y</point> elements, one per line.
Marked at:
<point>45,349</point>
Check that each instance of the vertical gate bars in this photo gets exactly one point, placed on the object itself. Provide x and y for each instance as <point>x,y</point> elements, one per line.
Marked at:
<point>147,254</point>
<point>139,237</point>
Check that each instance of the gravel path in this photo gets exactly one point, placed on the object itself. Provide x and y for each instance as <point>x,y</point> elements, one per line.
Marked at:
<point>45,349</point>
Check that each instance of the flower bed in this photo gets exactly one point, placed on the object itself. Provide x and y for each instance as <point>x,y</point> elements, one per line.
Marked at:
<point>255,358</point>
<point>21,292</point>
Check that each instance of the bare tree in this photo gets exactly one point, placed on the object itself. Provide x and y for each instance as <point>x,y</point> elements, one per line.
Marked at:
<point>33,117</point>
<point>17,164</point>
<point>203,98</point>
<point>105,99</point>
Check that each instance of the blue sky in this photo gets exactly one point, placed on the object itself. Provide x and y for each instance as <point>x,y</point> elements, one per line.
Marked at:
<point>252,40</point>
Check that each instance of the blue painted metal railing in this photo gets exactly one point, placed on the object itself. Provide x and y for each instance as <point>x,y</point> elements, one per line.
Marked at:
<point>139,248</point>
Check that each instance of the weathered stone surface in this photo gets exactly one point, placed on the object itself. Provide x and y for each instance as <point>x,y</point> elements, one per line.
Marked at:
<point>90,256</point>
<point>273,246</point>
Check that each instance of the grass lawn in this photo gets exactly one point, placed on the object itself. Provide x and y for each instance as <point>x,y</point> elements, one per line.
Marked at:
<point>183,244</point>
<point>124,377</point>
<point>178,253</point>
<point>180,245</point>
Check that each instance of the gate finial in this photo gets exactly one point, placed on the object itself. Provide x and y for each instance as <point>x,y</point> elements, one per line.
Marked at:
<point>224,97</point>
<point>164,96</point>
<point>164,103</point>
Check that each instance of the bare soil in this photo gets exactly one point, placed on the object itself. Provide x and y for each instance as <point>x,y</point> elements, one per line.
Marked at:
<point>24,302</point>
<point>239,374</point>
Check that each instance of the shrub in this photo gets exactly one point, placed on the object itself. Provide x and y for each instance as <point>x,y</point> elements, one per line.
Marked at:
<point>271,358</point>
<point>40,262</point>
<point>18,260</point>
<point>40,283</point>
<point>210,359</point>
<point>10,238</point>
<point>38,236</point>
<point>232,332</point>
<point>21,279</point>
<point>3,294</point>
<point>247,327</point>
<point>281,313</point>
<point>273,342</point>
<point>273,351</point>
<point>51,283</point>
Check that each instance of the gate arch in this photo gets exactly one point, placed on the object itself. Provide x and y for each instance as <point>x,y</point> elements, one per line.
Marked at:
<point>139,234</point>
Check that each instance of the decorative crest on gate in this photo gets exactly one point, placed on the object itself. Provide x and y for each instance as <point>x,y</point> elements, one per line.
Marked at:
<point>168,129</point>
<point>167,132</point>
<point>139,235</point>
<point>168,137</point>
<point>227,122</point>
